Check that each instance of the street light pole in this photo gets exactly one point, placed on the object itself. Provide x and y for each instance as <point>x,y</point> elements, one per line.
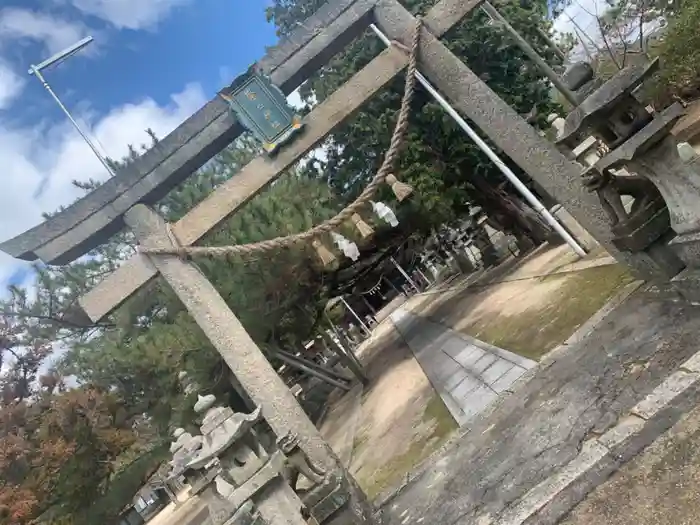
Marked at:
<point>55,59</point>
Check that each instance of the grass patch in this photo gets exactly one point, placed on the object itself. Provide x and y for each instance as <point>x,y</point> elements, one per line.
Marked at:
<point>535,332</point>
<point>438,412</point>
<point>441,425</point>
<point>359,440</point>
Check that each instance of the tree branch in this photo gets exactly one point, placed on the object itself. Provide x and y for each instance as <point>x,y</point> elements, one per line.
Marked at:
<point>607,44</point>
<point>56,320</point>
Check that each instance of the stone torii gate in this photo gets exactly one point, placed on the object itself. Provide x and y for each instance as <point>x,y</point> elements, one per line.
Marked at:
<point>123,200</point>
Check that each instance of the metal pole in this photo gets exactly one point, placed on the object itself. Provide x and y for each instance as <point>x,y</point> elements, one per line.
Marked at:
<point>530,52</point>
<point>391,285</point>
<point>552,44</point>
<point>368,305</point>
<point>512,177</point>
<point>313,365</point>
<point>35,71</point>
<point>311,371</point>
<point>354,314</point>
<point>346,356</point>
<point>425,277</point>
<point>406,276</point>
<point>328,318</point>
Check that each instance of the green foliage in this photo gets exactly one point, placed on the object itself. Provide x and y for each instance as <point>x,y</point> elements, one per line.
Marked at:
<point>123,484</point>
<point>57,446</point>
<point>680,55</point>
<point>447,170</point>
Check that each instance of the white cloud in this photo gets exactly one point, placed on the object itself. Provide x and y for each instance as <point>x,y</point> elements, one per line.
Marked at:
<point>40,162</point>
<point>129,14</point>
<point>11,85</point>
<point>294,99</point>
<point>581,15</point>
<point>54,33</point>
<point>580,19</point>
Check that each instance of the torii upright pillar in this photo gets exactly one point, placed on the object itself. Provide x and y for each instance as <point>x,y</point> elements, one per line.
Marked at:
<point>245,359</point>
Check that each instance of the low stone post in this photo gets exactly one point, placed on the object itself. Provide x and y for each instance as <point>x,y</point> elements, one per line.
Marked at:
<point>241,354</point>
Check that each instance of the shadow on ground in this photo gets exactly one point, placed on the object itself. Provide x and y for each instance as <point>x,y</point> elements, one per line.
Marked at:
<point>543,424</point>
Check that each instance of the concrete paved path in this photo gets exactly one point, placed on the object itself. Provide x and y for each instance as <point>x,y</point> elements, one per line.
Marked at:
<point>468,374</point>
<point>532,434</point>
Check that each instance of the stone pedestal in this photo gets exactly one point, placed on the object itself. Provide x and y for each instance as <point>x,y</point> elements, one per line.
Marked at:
<point>653,153</point>
<point>645,205</point>
<point>687,283</point>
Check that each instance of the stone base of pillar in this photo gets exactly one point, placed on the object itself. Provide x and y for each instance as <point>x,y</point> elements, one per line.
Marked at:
<point>687,247</point>
<point>339,506</point>
<point>662,259</point>
<point>246,516</point>
<point>578,232</point>
<point>687,284</point>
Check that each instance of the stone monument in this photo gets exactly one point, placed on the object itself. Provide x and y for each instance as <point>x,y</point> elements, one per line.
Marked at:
<point>244,484</point>
<point>664,218</point>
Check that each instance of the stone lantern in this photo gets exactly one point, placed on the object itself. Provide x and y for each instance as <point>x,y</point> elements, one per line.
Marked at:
<point>664,218</point>
<point>245,484</point>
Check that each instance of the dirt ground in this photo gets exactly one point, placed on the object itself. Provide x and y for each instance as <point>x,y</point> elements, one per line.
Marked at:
<point>386,430</point>
<point>534,307</point>
<point>661,486</point>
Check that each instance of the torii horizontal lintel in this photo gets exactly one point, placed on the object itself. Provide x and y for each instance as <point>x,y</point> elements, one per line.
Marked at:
<point>138,271</point>
<point>93,219</point>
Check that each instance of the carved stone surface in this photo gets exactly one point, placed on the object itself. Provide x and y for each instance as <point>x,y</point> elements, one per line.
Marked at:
<point>327,499</point>
<point>246,515</point>
<point>221,429</point>
<point>298,463</point>
<point>646,221</point>
<point>653,153</point>
<point>246,477</point>
<point>220,509</point>
<point>687,283</point>
<point>183,449</point>
<point>611,113</point>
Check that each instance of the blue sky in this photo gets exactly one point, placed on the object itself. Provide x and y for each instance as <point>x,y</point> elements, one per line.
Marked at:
<point>202,41</point>
<point>152,64</point>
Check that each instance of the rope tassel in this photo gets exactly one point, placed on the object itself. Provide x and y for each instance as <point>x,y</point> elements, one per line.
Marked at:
<point>400,189</point>
<point>324,254</point>
<point>362,227</point>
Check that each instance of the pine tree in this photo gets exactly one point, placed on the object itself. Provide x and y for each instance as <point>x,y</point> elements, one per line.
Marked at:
<point>447,170</point>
